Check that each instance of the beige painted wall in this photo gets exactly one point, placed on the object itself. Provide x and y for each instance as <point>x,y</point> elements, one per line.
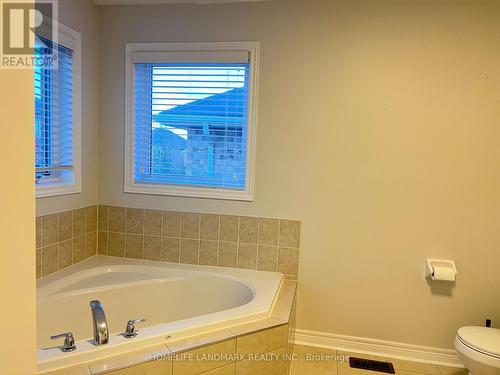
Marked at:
<point>378,128</point>
<point>17,224</point>
<point>82,16</point>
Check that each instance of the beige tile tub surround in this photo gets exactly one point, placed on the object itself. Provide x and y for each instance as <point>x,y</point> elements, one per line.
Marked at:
<point>198,238</point>
<point>201,355</point>
<point>249,349</point>
<point>64,239</point>
<point>229,354</point>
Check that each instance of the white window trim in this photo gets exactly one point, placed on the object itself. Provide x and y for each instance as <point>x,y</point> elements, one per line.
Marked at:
<point>72,39</point>
<point>185,191</point>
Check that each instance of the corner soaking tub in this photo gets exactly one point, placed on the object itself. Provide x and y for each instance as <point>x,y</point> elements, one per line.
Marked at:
<point>176,300</point>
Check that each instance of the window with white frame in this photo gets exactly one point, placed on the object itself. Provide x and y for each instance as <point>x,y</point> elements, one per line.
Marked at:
<point>57,112</point>
<point>190,119</point>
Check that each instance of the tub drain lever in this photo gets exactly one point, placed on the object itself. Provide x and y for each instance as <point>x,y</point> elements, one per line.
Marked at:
<point>130,331</point>
<point>69,341</point>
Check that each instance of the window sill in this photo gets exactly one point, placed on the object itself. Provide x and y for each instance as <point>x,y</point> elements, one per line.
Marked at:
<point>190,192</point>
<point>44,191</point>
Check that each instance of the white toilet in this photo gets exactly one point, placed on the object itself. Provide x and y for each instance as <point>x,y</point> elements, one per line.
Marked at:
<point>479,349</point>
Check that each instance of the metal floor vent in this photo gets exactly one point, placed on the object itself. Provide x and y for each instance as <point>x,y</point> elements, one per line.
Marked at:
<point>370,365</point>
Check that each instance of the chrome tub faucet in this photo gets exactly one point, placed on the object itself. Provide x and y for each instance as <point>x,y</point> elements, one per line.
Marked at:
<point>101,332</point>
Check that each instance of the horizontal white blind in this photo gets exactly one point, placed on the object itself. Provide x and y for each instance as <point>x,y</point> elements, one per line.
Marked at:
<point>191,124</point>
<point>54,116</point>
<point>230,57</point>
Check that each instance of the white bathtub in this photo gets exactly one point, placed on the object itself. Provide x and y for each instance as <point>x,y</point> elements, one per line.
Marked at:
<point>176,300</point>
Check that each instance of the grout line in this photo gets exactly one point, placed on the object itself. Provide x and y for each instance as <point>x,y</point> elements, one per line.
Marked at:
<point>218,240</point>
<point>161,224</point>
<point>180,239</point>
<point>72,232</point>
<point>161,237</point>
<point>143,226</point>
<point>199,238</point>
<point>57,243</point>
<point>41,247</point>
<point>258,231</point>
<point>181,220</point>
<point>179,251</point>
<point>238,219</point>
<point>85,233</point>
<point>257,263</point>
<point>107,230</point>
<point>97,231</point>
<point>278,247</point>
<point>125,234</point>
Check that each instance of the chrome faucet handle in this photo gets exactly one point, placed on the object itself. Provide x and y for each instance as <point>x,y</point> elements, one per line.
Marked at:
<point>130,331</point>
<point>69,341</point>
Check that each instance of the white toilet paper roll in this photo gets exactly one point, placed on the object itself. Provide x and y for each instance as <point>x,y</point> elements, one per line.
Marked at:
<point>443,273</point>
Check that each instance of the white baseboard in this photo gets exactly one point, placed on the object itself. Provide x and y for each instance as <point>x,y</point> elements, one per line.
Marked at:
<point>389,349</point>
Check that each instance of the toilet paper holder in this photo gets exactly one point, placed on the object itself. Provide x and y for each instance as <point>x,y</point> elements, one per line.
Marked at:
<point>440,269</point>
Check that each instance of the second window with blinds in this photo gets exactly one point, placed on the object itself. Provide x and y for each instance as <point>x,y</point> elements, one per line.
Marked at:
<point>190,119</point>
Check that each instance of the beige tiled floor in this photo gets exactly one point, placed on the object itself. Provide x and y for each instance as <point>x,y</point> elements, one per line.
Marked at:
<point>316,361</point>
